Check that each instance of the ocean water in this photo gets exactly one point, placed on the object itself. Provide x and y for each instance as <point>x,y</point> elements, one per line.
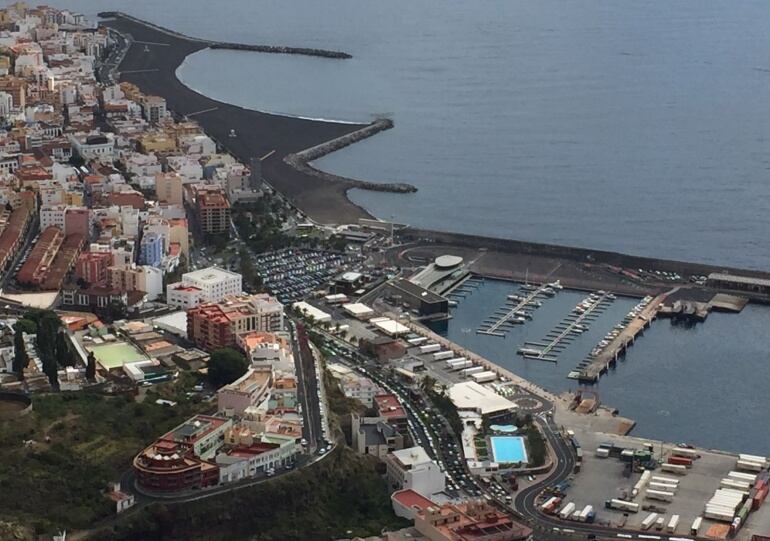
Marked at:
<point>612,124</point>
<point>706,384</point>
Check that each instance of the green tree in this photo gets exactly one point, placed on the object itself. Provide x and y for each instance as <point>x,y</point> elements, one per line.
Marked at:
<point>63,352</point>
<point>226,365</point>
<point>116,310</point>
<point>91,366</point>
<point>20,357</point>
<point>26,325</point>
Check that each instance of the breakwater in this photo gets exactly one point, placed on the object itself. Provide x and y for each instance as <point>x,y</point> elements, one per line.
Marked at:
<point>301,160</point>
<point>572,253</point>
<point>275,49</point>
<point>278,49</point>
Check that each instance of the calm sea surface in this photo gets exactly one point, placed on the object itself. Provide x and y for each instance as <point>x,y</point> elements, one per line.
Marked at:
<point>641,127</point>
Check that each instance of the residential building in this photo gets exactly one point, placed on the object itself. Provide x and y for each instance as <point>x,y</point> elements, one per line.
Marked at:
<point>179,460</point>
<point>168,188</point>
<point>182,296</point>
<point>265,348</point>
<point>388,407</point>
<point>154,109</point>
<point>40,258</point>
<point>99,146</point>
<point>77,221</point>
<point>215,283</point>
<point>213,211</point>
<point>413,468</point>
<point>374,436</point>
<point>248,390</point>
<point>151,249</point>
<point>92,266</point>
<point>213,326</point>
<point>475,520</point>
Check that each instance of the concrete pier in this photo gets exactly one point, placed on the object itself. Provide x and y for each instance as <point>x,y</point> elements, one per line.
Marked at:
<point>610,354</point>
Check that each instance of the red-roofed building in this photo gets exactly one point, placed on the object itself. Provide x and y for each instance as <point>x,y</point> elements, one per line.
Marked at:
<point>389,408</point>
<point>13,232</point>
<point>129,198</point>
<point>470,521</point>
<point>64,262</point>
<point>35,269</point>
<point>407,503</point>
<point>182,458</point>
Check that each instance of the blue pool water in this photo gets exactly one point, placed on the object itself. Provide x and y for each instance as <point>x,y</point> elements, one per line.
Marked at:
<point>508,449</point>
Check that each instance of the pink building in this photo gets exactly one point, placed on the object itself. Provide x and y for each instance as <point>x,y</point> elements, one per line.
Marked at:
<point>249,390</point>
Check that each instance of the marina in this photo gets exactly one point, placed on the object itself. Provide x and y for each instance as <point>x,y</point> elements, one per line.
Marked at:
<point>576,323</point>
<point>618,340</point>
<point>518,309</point>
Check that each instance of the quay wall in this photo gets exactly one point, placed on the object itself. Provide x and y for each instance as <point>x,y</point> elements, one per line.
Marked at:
<point>582,255</point>
<point>301,160</point>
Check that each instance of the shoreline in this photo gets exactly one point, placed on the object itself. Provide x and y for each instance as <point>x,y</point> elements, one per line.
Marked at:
<point>151,61</point>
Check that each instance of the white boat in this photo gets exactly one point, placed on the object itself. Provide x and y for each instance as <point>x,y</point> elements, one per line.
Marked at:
<point>530,351</point>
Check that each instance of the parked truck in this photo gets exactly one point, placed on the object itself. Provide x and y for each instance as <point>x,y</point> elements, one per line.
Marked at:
<point>443,355</point>
<point>660,495</point>
<point>567,511</point>
<point>430,348</point>
<point>672,524</point>
<point>484,377</point>
<point>674,468</point>
<point>465,372</point>
<point>680,460</point>
<point>622,505</point>
<point>587,510</point>
<point>649,521</point>
<point>695,525</point>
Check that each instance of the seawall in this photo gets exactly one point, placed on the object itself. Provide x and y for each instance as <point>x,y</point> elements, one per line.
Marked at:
<point>576,254</point>
<point>301,160</point>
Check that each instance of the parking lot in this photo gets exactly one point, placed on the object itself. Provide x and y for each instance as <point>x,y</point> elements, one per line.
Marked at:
<point>293,273</point>
<point>601,479</point>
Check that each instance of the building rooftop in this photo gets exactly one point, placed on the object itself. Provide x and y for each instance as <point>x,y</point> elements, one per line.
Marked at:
<point>250,381</point>
<point>209,275</point>
<point>388,406</point>
<point>411,456</point>
<point>470,395</point>
<point>747,280</point>
<point>411,499</point>
<point>194,429</point>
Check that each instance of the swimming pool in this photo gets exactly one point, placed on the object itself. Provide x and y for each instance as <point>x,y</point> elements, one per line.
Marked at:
<point>508,449</point>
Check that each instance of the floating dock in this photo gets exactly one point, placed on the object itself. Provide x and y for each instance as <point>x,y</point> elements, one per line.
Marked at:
<point>515,311</point>
<point>609,355</point>
<point>571,327</point>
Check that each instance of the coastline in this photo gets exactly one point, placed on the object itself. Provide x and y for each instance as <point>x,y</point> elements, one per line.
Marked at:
<point>151,62</point>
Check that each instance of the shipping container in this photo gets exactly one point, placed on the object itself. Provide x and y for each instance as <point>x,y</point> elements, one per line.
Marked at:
<point>649,521</point>
<point>654,485</point>
<point>672,524</point>
<point>484,377</point>
<point>430,348</point>
<point>659,495</point>
<point>749,466</point>
<point>680,460</point>
<point>575,516</point>
<point>659,523</point>
<point>735,485</point>
<point>695,526</point>
<point>456,364</point>
<point>566,511</point>
<point>750,478</point>
<point>662,479</point>
<point>753,458</point>
<point>683,451</point>
<point>622,505</point>
<point>716,515</point>
<point>759,498</point>
<point>417,341</point>
<point>674,468</point>
<point>602,452</point>
<point>442,355</point>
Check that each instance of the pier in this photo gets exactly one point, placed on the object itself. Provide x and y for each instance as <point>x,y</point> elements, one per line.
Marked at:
<point>608,356</point>
<point>513,314</point>
<point>573,325</point>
